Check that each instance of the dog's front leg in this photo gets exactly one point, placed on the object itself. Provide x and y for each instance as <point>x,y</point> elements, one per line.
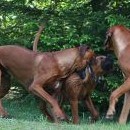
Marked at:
<point>74,109</point>
<point>91,108</point>
<point>125,87</point>
<point>44,110</point>
<point>38,90</point>
<point>125,109</point>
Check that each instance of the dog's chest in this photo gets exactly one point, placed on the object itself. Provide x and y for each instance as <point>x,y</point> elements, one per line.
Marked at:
<point>86,89</point>
<point>124,63</point>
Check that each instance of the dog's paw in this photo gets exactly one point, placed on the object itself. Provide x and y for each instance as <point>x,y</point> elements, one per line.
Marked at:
<point>6,116</point>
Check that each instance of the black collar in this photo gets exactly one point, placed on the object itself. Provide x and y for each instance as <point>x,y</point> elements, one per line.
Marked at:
<point>82,73</point>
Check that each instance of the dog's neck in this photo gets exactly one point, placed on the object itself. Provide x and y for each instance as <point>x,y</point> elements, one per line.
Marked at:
<point>120,40</point>
<point>97,71</point>
<point>68,61</point>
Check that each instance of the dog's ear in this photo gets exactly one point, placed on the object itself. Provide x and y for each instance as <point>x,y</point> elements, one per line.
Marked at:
<point>83,49</point>
<point>108,37</point>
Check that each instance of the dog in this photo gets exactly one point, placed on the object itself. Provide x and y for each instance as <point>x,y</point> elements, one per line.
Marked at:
<point>79,86</point>
<point>36,71</point>
<point>118,40</point>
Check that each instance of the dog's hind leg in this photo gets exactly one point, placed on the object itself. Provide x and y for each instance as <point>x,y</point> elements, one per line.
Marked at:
<point>125,109</point>
<point>0,76</point>
<point>4,88</point>
<point>3,112</point>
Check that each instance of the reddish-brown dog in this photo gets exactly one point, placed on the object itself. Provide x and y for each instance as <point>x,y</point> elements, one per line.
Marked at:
<point>37,70</point>
<point>79,85</point>
<point>80,89</point>
<point>118,39</point>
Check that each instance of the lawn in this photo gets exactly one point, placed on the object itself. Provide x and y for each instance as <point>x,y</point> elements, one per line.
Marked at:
<point>26,116</point>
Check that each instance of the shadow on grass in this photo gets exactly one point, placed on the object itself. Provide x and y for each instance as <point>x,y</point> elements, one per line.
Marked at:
<point>24,109</point>
<point>28,109</point>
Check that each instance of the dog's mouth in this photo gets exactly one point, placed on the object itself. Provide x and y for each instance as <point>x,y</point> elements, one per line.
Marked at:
<point>107,64</point>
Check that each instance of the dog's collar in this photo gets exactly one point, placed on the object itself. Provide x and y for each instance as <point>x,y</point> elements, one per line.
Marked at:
<point>95,78</point>
<point>88,70</point>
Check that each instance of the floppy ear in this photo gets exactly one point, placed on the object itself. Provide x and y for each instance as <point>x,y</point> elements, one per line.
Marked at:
<point>83,49</point>
<point>108,37</point>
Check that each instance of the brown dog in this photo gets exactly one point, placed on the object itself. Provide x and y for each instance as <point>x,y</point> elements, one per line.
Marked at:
<point>37,70</point>
<point>80,89</point>
<point>79,86</point>
<point>118,39</point>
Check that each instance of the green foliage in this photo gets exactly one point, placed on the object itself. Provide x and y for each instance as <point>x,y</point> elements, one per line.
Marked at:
<point>67,24</point>
<point>118,19</point>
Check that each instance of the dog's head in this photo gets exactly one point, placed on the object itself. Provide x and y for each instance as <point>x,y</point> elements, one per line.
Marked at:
<point>107,64</point>
<point>103,64</point>
<point>111,34</point>
<point>86,53</point>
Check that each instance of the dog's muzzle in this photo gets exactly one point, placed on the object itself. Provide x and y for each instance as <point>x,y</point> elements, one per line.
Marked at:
<point>107,64</point>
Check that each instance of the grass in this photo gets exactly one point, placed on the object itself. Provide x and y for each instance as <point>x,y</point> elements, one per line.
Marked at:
<point>26,116</point>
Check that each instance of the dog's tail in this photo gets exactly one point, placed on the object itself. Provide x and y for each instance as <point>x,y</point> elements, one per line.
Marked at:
<point>36,40</point>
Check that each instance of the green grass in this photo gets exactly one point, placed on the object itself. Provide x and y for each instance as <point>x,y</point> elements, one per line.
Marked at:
<point>26,116</point>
